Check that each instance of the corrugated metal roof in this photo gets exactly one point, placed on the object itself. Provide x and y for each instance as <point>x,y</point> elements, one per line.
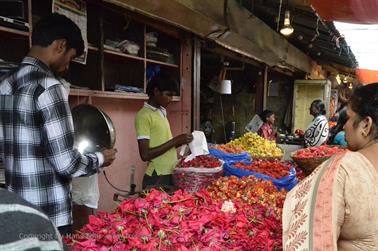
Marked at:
<point>320,40</point>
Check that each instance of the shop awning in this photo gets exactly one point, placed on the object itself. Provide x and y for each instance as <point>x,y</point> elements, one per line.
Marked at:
<point>349,11</point>
<point>363,40</point>
<point>355,19</point>
<point>367,76</point>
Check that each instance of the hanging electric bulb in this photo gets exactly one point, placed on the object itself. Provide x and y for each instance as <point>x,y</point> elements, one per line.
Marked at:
<point>350,86</point>
<point>345,80</point>
<point>338,79</point>
<point>287,29</point>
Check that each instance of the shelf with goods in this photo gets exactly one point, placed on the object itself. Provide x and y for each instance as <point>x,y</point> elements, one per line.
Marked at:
<point>117,95</point>
<point>14,32</point>
<point>162,63</point>
<point>106,94</point>
<point>13,47</point>
<point>163,52</point>
<point>17,37</point>
<point>161,48</point>
<point>123,54</point>
<point>120,54</point>
<point>120,74</point>
<point>88,75</point>
<point>108,63</point>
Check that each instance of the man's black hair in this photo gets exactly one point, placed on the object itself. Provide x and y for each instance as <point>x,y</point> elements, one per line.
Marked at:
<point>54,27</point>
<point>265,114</point>
<point>163,82</point>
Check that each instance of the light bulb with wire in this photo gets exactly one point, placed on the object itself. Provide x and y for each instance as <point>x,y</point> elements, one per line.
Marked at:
<point>287,29</point>
<point>338,79</point>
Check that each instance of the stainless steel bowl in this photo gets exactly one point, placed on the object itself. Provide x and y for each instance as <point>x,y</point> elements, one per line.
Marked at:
<point>94,129</point>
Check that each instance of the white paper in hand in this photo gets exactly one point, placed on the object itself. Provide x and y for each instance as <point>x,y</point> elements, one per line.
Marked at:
<point>198,146</point>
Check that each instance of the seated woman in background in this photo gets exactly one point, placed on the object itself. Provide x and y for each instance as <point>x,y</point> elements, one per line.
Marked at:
<point>337,134</point>
<point>266,130</point>
<point>335,208</point>
<point>339,139</point>
<point>316,133</point>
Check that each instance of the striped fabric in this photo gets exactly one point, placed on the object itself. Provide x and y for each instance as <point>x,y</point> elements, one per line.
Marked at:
<point>36,140</point>
<point>24,227</point>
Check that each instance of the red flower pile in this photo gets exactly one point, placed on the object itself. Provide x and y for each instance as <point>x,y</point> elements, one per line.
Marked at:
<point>182,222</point>
<point>317,151</point>
<point>202,161</point>
<point>299,173</point>
<point>273,168</point>
<point>248,190</point>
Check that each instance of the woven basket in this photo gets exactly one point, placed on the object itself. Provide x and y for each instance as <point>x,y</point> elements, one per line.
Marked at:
<point>307,165</point>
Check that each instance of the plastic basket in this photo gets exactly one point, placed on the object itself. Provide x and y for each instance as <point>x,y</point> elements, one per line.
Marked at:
<point>193,179</point>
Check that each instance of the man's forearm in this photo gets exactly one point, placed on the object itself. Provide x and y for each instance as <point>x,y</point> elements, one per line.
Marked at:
<point>157,151</point>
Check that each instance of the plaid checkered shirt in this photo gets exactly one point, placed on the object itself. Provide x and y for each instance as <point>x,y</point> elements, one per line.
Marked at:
<point>37,138</point>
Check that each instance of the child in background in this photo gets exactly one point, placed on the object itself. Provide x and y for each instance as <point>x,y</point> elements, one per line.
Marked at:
<point>266,130</point>
<point>339,139</point>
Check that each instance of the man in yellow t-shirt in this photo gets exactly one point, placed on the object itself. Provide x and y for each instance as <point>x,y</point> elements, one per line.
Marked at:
<point>155,141</point>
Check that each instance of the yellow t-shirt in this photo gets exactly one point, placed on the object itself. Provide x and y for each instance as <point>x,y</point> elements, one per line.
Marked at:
<point>151,123</point>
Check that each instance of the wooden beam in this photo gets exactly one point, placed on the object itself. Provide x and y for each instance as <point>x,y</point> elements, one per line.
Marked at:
<point>233,55</point>
<point>196,84</point>
<point>265,86</point>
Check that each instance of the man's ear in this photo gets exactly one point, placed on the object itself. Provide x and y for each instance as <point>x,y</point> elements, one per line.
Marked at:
<point>156,91</point>
<point>60,45</point>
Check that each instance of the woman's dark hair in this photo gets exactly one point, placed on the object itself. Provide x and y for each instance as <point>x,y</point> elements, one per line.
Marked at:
<point>319,105</point>
<point>54,27</point>
<point>364,102</point>
<point>163,82</point>
<point>265,114</point>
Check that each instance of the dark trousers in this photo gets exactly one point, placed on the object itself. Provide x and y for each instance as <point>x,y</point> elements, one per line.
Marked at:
<point>65,230</point>
<point>156,180</point>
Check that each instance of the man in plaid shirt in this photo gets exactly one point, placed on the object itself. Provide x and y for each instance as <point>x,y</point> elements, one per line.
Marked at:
<point>36,127</point>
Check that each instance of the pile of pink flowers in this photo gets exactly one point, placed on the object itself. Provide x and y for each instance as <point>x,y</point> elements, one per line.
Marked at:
<point>183,221</point>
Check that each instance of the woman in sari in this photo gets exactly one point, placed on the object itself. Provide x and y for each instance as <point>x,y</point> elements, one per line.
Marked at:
<point>336,206</point>
<point>316,133</point>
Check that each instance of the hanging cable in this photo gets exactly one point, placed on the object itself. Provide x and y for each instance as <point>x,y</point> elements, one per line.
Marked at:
<point>224,126</point>
<point>279,16</point>
<point>116,188</point>
<point>317,34</point>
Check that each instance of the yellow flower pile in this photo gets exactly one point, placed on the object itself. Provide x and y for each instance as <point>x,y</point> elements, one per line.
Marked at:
<point>257,146</point>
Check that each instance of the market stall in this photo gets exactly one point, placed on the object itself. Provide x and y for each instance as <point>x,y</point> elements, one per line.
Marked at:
<point>228,199</point>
